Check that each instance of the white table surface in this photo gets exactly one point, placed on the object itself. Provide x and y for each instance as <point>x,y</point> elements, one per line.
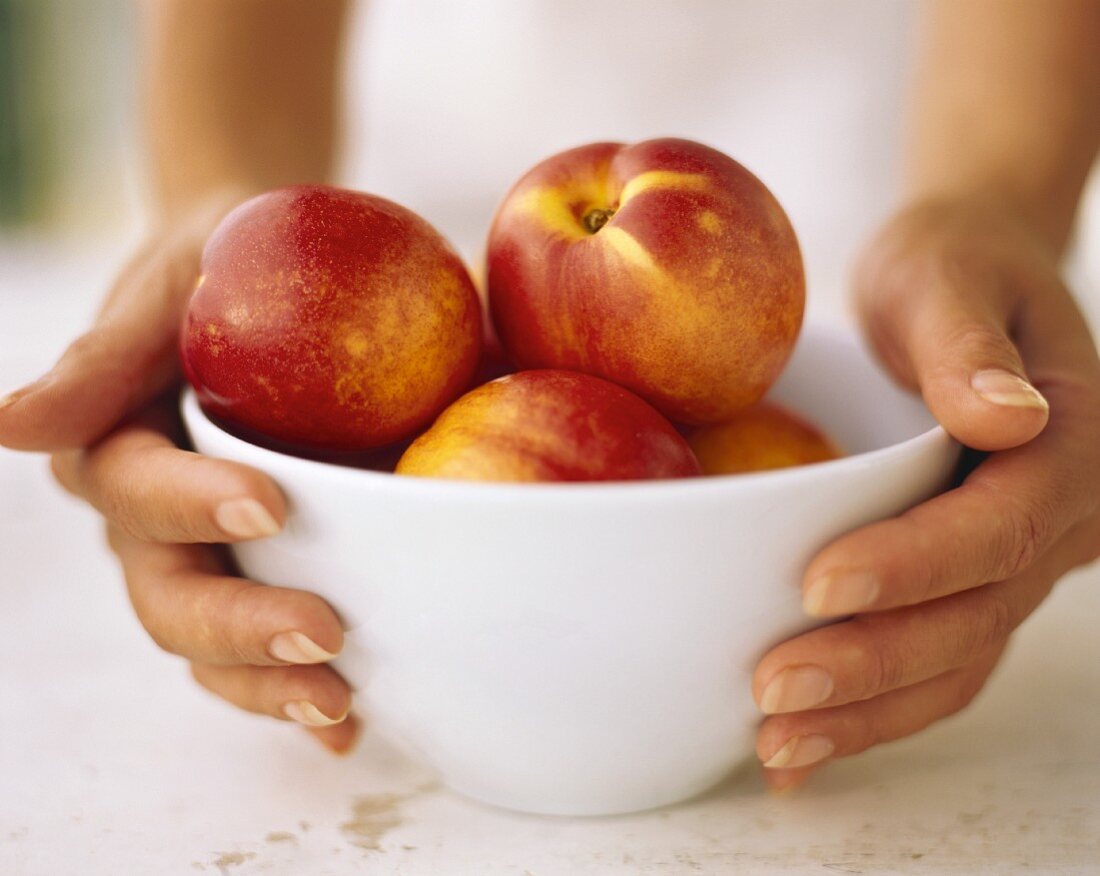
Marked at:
<point>112,761</point>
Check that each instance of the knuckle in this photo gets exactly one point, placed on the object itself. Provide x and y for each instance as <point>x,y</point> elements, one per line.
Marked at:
<point>886,670</point>
<point>984,342</point>
<point>237,631</point>
<point>1027,528</point>
<point>211,625</point>
<point>876,667</point>
<point>992,622</point>
<point>862,733</point>
<point>110,484</point>
<point>118,505</point>
<point>181,512</point>
<point>917,572</point>
<point>133,494</point>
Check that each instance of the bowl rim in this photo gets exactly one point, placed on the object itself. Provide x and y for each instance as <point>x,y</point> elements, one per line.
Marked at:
<point>930,442</point>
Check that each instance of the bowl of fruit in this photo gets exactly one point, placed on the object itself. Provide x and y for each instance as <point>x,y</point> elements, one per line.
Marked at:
<point>561,529</point>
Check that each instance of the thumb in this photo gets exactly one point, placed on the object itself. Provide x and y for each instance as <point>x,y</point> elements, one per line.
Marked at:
<point>949,336</point>
<point>127,358</point>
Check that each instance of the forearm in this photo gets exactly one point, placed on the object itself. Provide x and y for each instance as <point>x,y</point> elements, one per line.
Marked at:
<point>241,95</point>
<point>1007,106</point>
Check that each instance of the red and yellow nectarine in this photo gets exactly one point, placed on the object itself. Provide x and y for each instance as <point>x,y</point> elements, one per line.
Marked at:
<point>549,426</point>
<point>664,266</point>
<point>329,319</point>
<point>763,436</point>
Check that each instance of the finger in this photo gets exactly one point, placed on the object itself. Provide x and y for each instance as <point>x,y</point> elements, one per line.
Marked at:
<point>148,487</point>
<point>190,607</point>
<point>943,325</point>
<point>338,738</point>
<point>780,781</point>
<point>123,361</point>
<point>1007,514</point>
<point>882,651</point>
<point>129,355</point>
<point>1056,342</point>
<point>797,742</point>
<point>874,653</point>
<point>315,696</point>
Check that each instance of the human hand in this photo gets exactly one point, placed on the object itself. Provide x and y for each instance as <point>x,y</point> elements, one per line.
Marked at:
<point>107,413</point>
<point>963,302</point>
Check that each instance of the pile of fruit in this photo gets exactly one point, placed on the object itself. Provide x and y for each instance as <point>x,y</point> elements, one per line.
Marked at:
<point>640,301</point>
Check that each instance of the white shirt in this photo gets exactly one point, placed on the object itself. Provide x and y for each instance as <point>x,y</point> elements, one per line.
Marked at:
<point>451,102</point>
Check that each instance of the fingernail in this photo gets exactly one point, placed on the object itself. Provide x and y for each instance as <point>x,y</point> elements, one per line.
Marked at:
<point>840,593</point>
<point>795,689</point>
<point>1005,388</point>
<point>801,751</point>
<point>304,712</point>
<point>245,518</point>
<point>293,647</point>
<point>17,395</point>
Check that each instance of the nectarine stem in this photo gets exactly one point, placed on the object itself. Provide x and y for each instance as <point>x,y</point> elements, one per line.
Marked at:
<point>595,219</point>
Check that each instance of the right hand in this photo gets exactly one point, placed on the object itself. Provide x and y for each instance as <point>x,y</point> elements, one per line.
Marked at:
<point>107,412</point>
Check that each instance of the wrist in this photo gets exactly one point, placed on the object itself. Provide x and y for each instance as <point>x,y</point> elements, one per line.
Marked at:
<point>1004,207</point>
<point>936,238</point>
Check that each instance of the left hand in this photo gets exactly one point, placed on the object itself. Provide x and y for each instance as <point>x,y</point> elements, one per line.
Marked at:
<point>962,301</point>
<point>108,412</point>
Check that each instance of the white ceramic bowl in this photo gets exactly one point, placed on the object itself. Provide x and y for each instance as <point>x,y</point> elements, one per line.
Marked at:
<point>586,649</point>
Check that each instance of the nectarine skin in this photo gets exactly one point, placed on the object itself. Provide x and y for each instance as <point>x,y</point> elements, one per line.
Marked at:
<point>761,437</point>
<point>494,362</point>
<point>329,319</point>
<point>664,266</point>
<point>550,425</point>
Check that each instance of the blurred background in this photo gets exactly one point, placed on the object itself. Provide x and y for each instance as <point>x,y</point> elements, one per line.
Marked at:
<point>70,169</point>
<point>68,107</point>
<point>447,104</point>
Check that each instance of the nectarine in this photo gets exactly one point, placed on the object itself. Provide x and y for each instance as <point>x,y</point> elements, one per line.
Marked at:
<point>664,266</point>
<point>763,436</point>
<point>328,319</point>
<point>549,426</point>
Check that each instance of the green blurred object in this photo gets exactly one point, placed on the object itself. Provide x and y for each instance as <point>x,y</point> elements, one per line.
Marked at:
<point>13,176</point>
<point>67,117</point>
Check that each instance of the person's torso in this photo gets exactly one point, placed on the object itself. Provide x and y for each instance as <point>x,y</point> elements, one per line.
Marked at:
<point>451,102</point>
